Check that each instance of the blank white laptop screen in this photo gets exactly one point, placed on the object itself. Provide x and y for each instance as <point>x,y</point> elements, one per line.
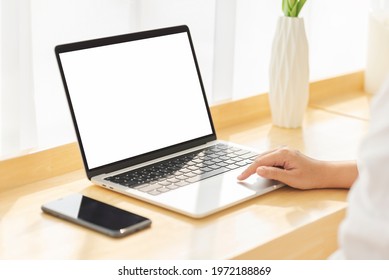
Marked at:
<point>135,97</point>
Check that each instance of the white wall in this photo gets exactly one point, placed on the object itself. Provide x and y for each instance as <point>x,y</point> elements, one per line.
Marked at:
<point>336,31</point>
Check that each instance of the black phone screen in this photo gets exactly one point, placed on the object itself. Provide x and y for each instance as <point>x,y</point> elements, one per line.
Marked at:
<point>96,215</point>
<point>106,215</point>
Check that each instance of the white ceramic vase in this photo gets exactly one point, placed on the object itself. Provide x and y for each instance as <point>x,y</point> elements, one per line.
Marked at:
<point>377,59</point>
<point>289,73</point>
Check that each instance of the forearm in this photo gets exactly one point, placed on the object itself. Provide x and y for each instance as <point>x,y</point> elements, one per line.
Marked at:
<point>339,174</point>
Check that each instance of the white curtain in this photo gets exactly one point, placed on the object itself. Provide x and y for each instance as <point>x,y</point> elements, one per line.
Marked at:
<point>232,40</point>
<point>33,109</point>
<point>17,119</point>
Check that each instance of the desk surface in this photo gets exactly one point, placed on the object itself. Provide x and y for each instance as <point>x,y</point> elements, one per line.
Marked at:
<point>284,224</point>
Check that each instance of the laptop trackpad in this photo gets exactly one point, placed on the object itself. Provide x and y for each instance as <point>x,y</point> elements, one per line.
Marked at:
<point>259,184</point>
<point>216,193</point>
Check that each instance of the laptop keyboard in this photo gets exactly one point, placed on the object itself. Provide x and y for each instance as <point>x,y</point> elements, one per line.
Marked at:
<point>180,171</point>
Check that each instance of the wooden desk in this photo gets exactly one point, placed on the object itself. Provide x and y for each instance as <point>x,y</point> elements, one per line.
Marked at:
<point>284,224</point>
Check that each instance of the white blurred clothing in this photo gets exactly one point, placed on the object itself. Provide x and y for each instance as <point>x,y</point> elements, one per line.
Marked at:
<point>364,234</point>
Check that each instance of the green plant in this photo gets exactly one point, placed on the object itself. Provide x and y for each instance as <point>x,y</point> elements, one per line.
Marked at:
<point>292,8</point>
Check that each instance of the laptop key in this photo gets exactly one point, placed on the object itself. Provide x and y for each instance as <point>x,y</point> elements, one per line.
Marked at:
<point>197,172</point>
<point>184,170</point>
<point>193,168</point>
<point>222,164</point>
<point>149,188</point>
<point>172,187</point>
<point>154,192</point>
<point>181,177</point>
<point>129,183</point>
<point>177,173</point>
<point>182,183</point>
<point>207,175</point>
<point>205,169</point>
<point>190,174</point>
<point>241,152</point>
<point>173,180</point>
<point>164,183</point>
<point>216,160</point>
<point>242,163</point>
<point>214,167</point>
<point>232,166</point>
<point>249,155</point>
<point>163,190</point>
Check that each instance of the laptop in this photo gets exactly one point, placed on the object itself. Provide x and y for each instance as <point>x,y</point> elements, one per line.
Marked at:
<point>144,125</point>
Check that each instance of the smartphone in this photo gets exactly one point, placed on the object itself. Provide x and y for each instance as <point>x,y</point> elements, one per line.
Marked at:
<point>96,215</point>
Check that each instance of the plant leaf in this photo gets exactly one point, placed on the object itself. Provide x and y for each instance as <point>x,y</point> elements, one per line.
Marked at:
<point>285,7</point>
<point>300,6</point>
<point>291,4</point>
<point>293,11</point>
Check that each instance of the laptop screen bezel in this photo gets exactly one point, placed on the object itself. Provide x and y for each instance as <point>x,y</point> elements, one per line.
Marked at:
<point>125,163</point>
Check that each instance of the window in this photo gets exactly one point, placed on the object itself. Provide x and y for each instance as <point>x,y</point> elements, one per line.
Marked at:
<point>232,39</point>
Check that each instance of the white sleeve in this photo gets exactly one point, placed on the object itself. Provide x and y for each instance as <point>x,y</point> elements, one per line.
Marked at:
<point>364,234</point>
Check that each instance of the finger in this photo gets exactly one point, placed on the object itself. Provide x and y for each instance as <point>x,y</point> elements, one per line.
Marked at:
<point>252,168</point>
<point>278,158</point>
<point>248,171</point>
<point>274,173</point>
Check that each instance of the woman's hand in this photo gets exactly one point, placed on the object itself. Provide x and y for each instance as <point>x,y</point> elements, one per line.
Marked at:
<point>299,171</point>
